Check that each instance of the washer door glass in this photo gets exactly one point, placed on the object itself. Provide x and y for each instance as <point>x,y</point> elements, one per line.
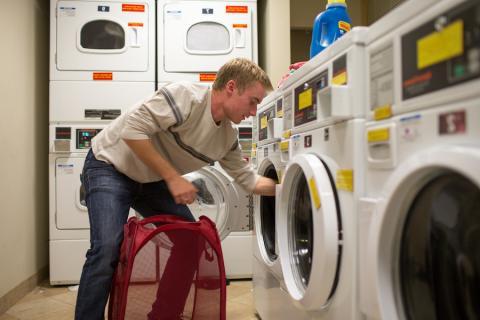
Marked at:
<point>310,231</point>
<point>440,251</point>
<point>301,227</point>
<point>210,200</point>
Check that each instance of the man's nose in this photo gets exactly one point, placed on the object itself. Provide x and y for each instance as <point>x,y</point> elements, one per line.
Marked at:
<point>253,111</point>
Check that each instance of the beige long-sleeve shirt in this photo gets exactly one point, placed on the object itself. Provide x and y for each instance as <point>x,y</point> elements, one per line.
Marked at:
<point>178,120</point>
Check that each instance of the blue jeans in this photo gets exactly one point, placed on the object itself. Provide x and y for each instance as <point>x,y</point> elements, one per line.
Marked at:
<point>109,196</point>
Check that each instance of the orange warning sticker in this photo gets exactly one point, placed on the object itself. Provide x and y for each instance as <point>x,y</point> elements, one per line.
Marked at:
<point>240,25</point>
<point>236,9</point>
<point>102,76</point>
<point>135,24</point>
<point>133,7</point>
<point>207,77</point>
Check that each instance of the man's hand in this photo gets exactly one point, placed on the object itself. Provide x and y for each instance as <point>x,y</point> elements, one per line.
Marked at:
<point>265,187</point>
<point>182,190</point>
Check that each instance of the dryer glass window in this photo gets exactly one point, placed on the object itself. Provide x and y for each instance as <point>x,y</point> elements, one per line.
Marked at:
<point>210,201</point>
<point>208,36</point>
<point>439,257</point>
<point>267,216</point>
<point>301,230</point>
<point>102,35</point>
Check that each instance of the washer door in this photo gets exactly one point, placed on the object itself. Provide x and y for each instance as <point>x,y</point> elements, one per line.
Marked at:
<point>427,236</point>
<point>440,250</point>
<point>309,228</point>
<point>216,198</point>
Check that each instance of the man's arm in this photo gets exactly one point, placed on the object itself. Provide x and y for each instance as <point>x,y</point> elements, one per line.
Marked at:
<point>181,189</point>
<point>265,187</point>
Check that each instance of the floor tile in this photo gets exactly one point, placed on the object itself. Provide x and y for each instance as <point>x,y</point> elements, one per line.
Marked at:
<point>48,302</point>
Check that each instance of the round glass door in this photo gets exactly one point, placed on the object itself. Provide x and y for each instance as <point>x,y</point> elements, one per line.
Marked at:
<point>211,200</point>
<point>301,227</point>
<point>309,229</point>
<point>440,251</point>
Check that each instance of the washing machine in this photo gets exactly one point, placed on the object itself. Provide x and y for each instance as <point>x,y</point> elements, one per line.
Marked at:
<point>195,38</point>
<point>270,295</point>
<point>316,222</point>
<point>69,237</point>
<point>103,49</point>
<point>419,222</point>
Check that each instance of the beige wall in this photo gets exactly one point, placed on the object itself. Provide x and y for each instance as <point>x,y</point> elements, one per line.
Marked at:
<point>274,37</point>
<point>24,141</point>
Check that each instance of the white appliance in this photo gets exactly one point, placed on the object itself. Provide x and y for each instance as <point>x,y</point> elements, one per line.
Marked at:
<point>226,204</point>
<point>69,224</point>
<point>270,295</point>
<point>334,89</point>
<point>230,207</point>
<point>419,218</point>
<point>316,222</point>
<point>99,50</point>
<point>102,40</point>
<point>195,38</point>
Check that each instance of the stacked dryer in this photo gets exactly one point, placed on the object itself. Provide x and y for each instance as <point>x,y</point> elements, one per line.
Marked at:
<point>420,229</point>
<point>102,61</point>
<point>316,218</point>
<point>194,39</point>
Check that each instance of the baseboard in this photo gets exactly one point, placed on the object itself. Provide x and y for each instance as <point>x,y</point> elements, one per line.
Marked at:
<point>20,291</point>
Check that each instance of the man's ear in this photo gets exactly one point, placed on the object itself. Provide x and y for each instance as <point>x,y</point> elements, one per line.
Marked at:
<point>230,86</point>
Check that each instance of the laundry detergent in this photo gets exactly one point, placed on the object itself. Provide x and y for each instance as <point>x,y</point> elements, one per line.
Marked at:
<point>329,25</point>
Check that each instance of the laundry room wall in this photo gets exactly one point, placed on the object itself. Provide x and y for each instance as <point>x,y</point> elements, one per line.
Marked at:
<point>24,143</point>
<point>274,37</point>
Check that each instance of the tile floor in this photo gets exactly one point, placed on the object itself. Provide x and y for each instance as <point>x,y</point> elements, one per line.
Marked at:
<point>57,303</point>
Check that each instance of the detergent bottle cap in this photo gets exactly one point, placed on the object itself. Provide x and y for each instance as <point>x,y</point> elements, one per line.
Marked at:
<point>336,2</point>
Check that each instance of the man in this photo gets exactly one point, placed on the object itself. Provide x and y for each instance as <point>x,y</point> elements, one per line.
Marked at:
<point>139,159</point>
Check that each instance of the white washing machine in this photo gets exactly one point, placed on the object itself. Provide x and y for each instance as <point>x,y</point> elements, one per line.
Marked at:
<point>270,295</point>
<point>68,215</point>
<point>100,49</point>
<point>419,223</point>
<point>195,38</point>
<point>316,223</point>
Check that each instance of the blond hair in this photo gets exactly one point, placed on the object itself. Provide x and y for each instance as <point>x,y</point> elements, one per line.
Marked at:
<point>244,72</point>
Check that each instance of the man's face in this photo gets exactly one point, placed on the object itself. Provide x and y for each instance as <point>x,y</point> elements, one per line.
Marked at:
<point>241,106</point>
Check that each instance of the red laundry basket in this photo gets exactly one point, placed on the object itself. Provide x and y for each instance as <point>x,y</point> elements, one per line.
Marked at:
<point>169,269</point>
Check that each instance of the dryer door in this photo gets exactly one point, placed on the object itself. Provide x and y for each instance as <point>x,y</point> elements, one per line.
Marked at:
<point>216,199</point>
<point>106,36</point>
<point>71,210</point>
<point>200,36</point>
<point>309,232</point>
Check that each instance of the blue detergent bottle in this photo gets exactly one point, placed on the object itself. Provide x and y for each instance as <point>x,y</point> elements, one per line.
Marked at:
<point>329,25</point>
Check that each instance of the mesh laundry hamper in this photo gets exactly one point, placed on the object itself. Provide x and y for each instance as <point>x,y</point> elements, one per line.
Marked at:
<point>169,269</point>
